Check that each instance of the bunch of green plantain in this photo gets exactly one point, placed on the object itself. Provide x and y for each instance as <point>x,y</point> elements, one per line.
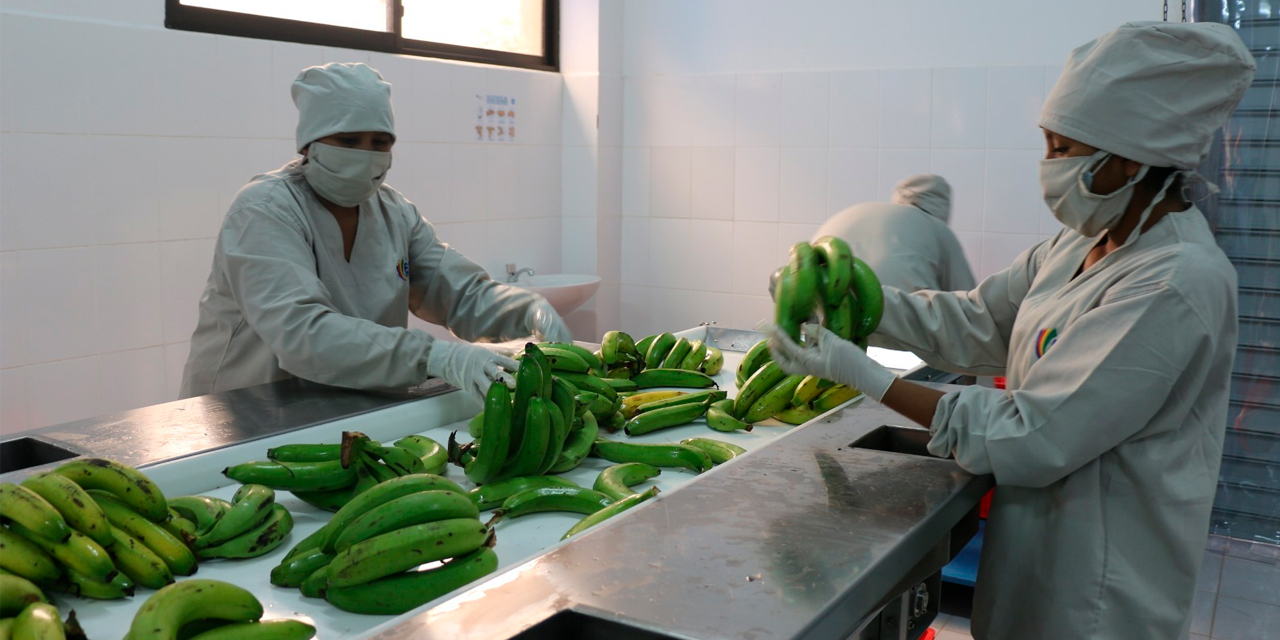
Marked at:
<point>827,278</point>
<point>202,609</point>
<point>378,554</point>
<point>25,614</point>
<point>94,528</point>
<point>623,358</point>
<point>251,525</point>
<point>328,476</point>
<point>766,391</point>
<point>650,411</point>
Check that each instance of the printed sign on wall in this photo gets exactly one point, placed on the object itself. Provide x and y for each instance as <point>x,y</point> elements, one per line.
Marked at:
<point>495,118</point>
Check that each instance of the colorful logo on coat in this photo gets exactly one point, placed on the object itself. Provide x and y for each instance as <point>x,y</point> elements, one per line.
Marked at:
<point>402,270</point>
<point>1045,340</point>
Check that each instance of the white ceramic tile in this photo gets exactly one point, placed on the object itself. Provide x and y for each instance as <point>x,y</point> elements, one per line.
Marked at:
<point>288,59</point>
<point>750,311</point>
<point>467,167</point>
<point>58,294</point>
<point>852,177</point>
<point>713,186</point>
<point>175,358</point>
<point>711,241</point>
<point>965,171</point>
<point>905,107</point>
<point>127,301</point>
<point>971,244</point>
<point>755,246</point>
<point>671,245</point>
<point>635,117</point>
<point>610,127</point>
<point>758,110</point>
<point>611,37</point>
<point>420,171</point>
<point>189,104</point>
<point>855,108</point>
<point>119,77</point>
<point>682,309</point>
<point>670,179</point>
<point>132,379</point>
<point>609,250</point>
<point>756,178</point>
<point>805,106</point>
<point>609,181</point>
<point>1250,580</point>
<point>420,94</point>
<point>1236,619</point>
<point>1014,98</point>
<point>959,107</point>
<point>635,312</point>
<point>608,312</point>
<point>897,165</point>
<point>669,110</point>
<point>184,272</point>
<point>41,209</point>
<point>504,184</point>
<point>541,180</point>
<point>63,391</point>
<point>1012,200</point>
<point>1202,612</point>
<point>635,181</point>
<point>578,248</point>
<point>187,203</point>
<point>1000,249</point>
<point>13,401</point>
<point>42,74</point>
<point>581,100</point>
<point>244,87</point>
<point>535,243</point>
<point>471,239</point>
<point>635,251</point>
<point>803,191</point>
<point>123,206</point>
<point>788,235</point>
<point>578,182</point>
<point>13,334</point>
<point>710,100</point>
<point>540,115</point>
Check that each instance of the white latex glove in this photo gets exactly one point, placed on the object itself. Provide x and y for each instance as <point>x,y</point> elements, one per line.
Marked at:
<point>825,355</point>
<point>544,323</point>
<point>468,367</point>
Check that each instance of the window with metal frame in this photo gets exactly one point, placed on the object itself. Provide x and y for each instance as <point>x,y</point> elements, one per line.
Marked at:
<point>513,33</point>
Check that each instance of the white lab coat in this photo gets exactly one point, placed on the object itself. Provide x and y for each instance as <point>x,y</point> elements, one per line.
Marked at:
<point>282,301</point>
<point>906,247</point>
<point>1106,446</point>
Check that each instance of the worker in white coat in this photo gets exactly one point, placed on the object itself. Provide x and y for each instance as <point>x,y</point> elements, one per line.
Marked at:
<point>907,241</point>
<point>1117,337</point>
<point>319,263</point>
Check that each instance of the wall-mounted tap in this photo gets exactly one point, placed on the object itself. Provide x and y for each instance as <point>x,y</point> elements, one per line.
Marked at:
<point>514,274</point>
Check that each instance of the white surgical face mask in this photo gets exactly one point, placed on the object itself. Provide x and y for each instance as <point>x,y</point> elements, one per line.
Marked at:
<point>345,177</point>
<point>1066,184</point>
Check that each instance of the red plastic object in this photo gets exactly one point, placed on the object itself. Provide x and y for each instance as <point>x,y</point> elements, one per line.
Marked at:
<point>927,635</point>
<point>999,382</point>
<point>984,507</point>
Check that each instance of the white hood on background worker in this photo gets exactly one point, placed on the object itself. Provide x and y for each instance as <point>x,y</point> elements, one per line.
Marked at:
<point>927,192</point>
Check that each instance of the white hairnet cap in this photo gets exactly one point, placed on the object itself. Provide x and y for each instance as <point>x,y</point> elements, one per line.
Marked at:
<point>926,192</point>
<point>1152,92</point>
<point>341,97</point>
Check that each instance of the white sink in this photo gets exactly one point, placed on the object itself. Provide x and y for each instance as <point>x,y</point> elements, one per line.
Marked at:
<point>565,291</point>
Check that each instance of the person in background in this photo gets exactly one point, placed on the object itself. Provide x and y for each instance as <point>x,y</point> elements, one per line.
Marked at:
<point>319,263</point>
<point>906,242</point>
<point>1117,336</point>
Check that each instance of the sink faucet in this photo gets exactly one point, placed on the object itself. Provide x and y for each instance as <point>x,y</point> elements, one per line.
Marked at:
<point>514,274</point>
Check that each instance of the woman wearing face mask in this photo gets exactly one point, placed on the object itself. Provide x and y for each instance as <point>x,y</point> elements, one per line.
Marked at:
<point>319,263</point>
<point>1117,337</point>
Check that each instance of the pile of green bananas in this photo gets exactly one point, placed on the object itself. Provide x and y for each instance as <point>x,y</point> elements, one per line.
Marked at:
<point>623,358</point>
<point>549,423</point>
<point>652,410</point>
<point>328,476</point>
<point>202,609</point>
<point>766,391</point>
<point>251,525</point>
<point>93,528</point>
<point>366,559</point>
<point>25,614</point>
<point>827,278</point>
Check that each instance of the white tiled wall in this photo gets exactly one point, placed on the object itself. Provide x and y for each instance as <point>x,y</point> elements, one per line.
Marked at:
<point>123,144</point>
<point>744,165</point>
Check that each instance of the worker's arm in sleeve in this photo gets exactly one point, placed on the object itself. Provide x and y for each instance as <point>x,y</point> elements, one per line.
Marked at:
<point>960,331</point>
<point>448,289</point>
<point>1104,379</point>
<point>271,269</point>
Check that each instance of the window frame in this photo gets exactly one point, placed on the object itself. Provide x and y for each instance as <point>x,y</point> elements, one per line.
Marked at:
<point>181,17</point>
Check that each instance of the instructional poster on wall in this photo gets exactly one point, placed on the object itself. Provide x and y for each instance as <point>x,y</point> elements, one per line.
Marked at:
<point>495,118</point>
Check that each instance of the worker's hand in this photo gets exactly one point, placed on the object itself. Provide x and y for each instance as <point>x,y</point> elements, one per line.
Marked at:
<point>825,355</point>
<point>469,367</point>
<point>544,323</point>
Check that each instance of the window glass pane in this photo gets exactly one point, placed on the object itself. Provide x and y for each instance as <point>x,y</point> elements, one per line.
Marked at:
<point>370,15</point>
<point>502,25</point>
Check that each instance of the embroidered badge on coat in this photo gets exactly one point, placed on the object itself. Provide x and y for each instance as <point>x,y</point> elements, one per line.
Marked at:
<point>402,270</point>
<point>1045,340</point>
